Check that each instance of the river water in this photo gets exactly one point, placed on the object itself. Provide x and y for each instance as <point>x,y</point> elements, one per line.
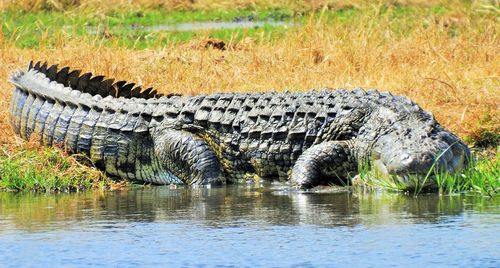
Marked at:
<point>247,227</point>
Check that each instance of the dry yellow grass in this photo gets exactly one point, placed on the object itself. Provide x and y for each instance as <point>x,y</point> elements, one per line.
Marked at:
<point>455,77</point>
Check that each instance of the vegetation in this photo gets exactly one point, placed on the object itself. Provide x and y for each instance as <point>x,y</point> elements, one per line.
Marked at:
<point>34,168</point>
<point>442,54</point>
<point>127,28</point>
<point>482,176</point>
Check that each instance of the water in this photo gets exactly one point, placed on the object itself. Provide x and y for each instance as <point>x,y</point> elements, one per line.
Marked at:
<point>214,25</point>
<point>200,26</point>
<point>247,227</point>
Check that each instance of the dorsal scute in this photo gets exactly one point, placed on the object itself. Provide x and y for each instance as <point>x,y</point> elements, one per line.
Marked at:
<point>92,84</point>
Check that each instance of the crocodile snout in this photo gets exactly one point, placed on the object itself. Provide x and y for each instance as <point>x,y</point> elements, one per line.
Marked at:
<point>406,163</point>
<point>409,164</point>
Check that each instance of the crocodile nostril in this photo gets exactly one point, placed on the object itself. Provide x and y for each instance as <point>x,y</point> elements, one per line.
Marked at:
<point>417,163</point>
<point>406,160</point>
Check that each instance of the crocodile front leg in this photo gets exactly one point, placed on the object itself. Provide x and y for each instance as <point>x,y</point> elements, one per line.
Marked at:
<point>321,163</point>
<point>187,156</point>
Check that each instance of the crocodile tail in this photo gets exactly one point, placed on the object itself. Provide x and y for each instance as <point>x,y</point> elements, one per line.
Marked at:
<point>63,107</point>
<point>109,122</point>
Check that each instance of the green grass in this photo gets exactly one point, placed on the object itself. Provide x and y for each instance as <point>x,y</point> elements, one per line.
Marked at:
<point>141,39</point>
<point>47,170</point>
<point>482,176</point>
<point>49,28</point>
<point>131,17</point>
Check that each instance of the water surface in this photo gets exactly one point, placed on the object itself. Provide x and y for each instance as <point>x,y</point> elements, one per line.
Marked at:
<point>200,26</point>
<point>240,226</point>
<point>213,25</point>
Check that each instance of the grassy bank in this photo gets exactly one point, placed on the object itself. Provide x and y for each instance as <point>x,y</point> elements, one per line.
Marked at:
<point>482,176</point>
<point>442,55</point>
<point>30,167</point>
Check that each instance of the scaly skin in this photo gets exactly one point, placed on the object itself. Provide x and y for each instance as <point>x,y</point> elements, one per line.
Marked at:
<point>309,138</point>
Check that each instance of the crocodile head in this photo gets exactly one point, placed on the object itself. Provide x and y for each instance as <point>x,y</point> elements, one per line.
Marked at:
<point>413,147</point>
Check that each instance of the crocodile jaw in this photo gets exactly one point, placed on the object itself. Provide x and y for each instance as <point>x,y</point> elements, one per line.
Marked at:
<point>411,173</point>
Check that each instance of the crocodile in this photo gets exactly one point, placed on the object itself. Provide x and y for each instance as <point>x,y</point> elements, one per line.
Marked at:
<point>306,139</point>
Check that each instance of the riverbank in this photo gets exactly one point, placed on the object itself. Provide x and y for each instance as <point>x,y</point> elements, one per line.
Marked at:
<point>443,56</point>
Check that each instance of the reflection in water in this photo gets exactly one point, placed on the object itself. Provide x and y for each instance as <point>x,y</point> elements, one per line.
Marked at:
<point>229,206</point>
<point>236,226</point>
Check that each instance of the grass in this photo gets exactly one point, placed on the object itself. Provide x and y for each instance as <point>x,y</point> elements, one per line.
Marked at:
<point>42,169</point>
<point>122,27</point>
<point>25,29</point>
<point>482,176</point>
<point>442,54</point>
<point>302,6</point>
